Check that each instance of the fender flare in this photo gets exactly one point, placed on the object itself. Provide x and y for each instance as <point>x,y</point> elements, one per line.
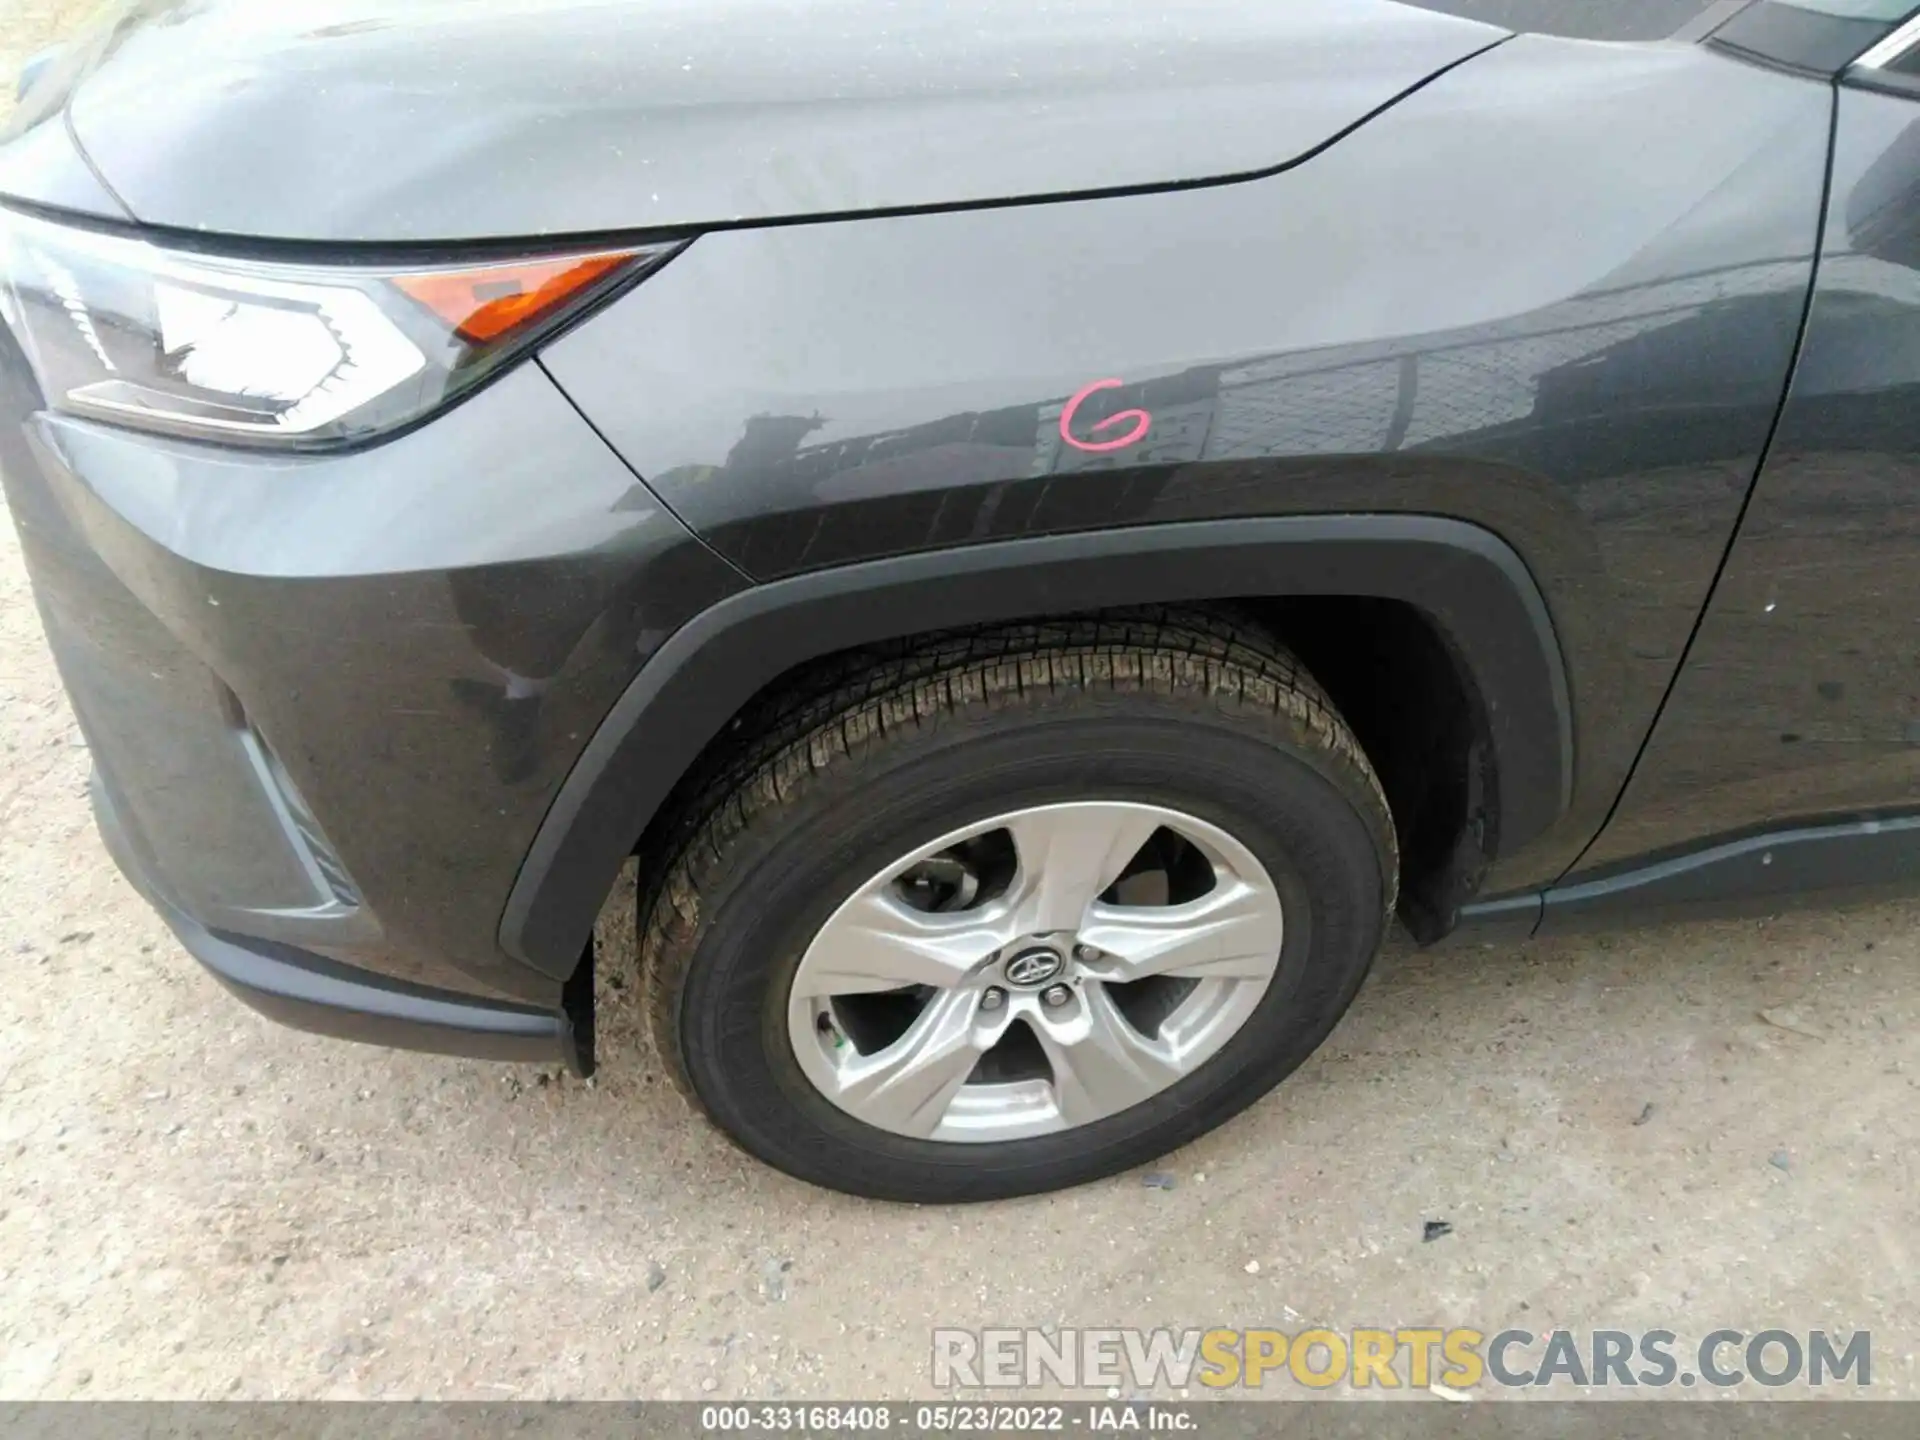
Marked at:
<point>1465,579</point>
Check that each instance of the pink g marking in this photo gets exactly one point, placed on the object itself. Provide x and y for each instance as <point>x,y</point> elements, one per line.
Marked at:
<point>1142,422</point>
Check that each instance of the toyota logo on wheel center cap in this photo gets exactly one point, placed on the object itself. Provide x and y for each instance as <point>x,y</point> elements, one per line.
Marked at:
<point>1032,968</point>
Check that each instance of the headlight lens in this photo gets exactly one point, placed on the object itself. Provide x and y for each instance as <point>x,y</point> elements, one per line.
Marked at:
<point>261,353</point>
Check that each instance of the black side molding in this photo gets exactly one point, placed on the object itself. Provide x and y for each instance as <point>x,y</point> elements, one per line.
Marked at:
<point>1502,920</point>
<point>1469,582</point>
<point>1812,863</point>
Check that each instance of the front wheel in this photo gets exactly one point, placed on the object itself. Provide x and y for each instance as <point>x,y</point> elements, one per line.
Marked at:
<point>1025,908</point>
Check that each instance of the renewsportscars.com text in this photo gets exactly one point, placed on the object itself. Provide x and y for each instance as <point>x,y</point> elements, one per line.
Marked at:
<point>1401,1357</point>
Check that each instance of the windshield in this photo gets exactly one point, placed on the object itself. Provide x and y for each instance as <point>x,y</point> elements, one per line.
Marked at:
<point>1815,37</point>
<point>1647,19</point>
<point>1857,9</point>
<point>1580,19</point>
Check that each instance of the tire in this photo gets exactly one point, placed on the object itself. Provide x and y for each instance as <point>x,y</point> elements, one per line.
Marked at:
<point>1186,711</point>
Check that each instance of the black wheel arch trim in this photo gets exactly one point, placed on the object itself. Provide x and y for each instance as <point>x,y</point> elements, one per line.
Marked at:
<point>1467,580</point>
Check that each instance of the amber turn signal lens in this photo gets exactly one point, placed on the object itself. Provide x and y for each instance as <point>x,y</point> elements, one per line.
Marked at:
<point>484,304</point>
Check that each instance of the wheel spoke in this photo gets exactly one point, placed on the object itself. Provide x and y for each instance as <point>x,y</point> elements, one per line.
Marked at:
<point>1068,855</point>
<point>875,942</point>
<point>951,971</point>
<point>1101,1064</point>
<point>1231,933</point>
<point>908,1087</point>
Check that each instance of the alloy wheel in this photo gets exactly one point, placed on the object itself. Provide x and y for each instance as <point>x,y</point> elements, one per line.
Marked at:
<point>1035,972</point>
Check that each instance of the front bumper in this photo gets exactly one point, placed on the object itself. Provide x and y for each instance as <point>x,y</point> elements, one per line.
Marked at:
<point>330,698</point>
<point>310,992</point>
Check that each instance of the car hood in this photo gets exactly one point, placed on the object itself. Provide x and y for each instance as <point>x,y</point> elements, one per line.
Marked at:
<point>374,120</point>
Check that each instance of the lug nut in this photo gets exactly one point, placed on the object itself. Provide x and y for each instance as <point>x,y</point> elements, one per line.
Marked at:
<point>993,998</point>
<point>1085,952</point>
<point>1055,996</point>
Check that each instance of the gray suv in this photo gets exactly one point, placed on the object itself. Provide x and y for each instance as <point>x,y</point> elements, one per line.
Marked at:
<point>1044,534</point>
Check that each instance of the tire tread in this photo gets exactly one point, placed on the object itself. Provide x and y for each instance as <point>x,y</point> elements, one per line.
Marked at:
<point>822,729</point>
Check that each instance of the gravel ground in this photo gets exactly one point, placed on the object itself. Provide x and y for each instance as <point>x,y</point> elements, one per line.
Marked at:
<point>1687,1128</point>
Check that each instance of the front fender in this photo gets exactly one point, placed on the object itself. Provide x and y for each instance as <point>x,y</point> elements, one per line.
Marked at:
<point>1555,293</point>
<point>1468,583</point>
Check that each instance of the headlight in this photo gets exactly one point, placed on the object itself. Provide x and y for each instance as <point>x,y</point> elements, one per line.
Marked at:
<point>261,353</point>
